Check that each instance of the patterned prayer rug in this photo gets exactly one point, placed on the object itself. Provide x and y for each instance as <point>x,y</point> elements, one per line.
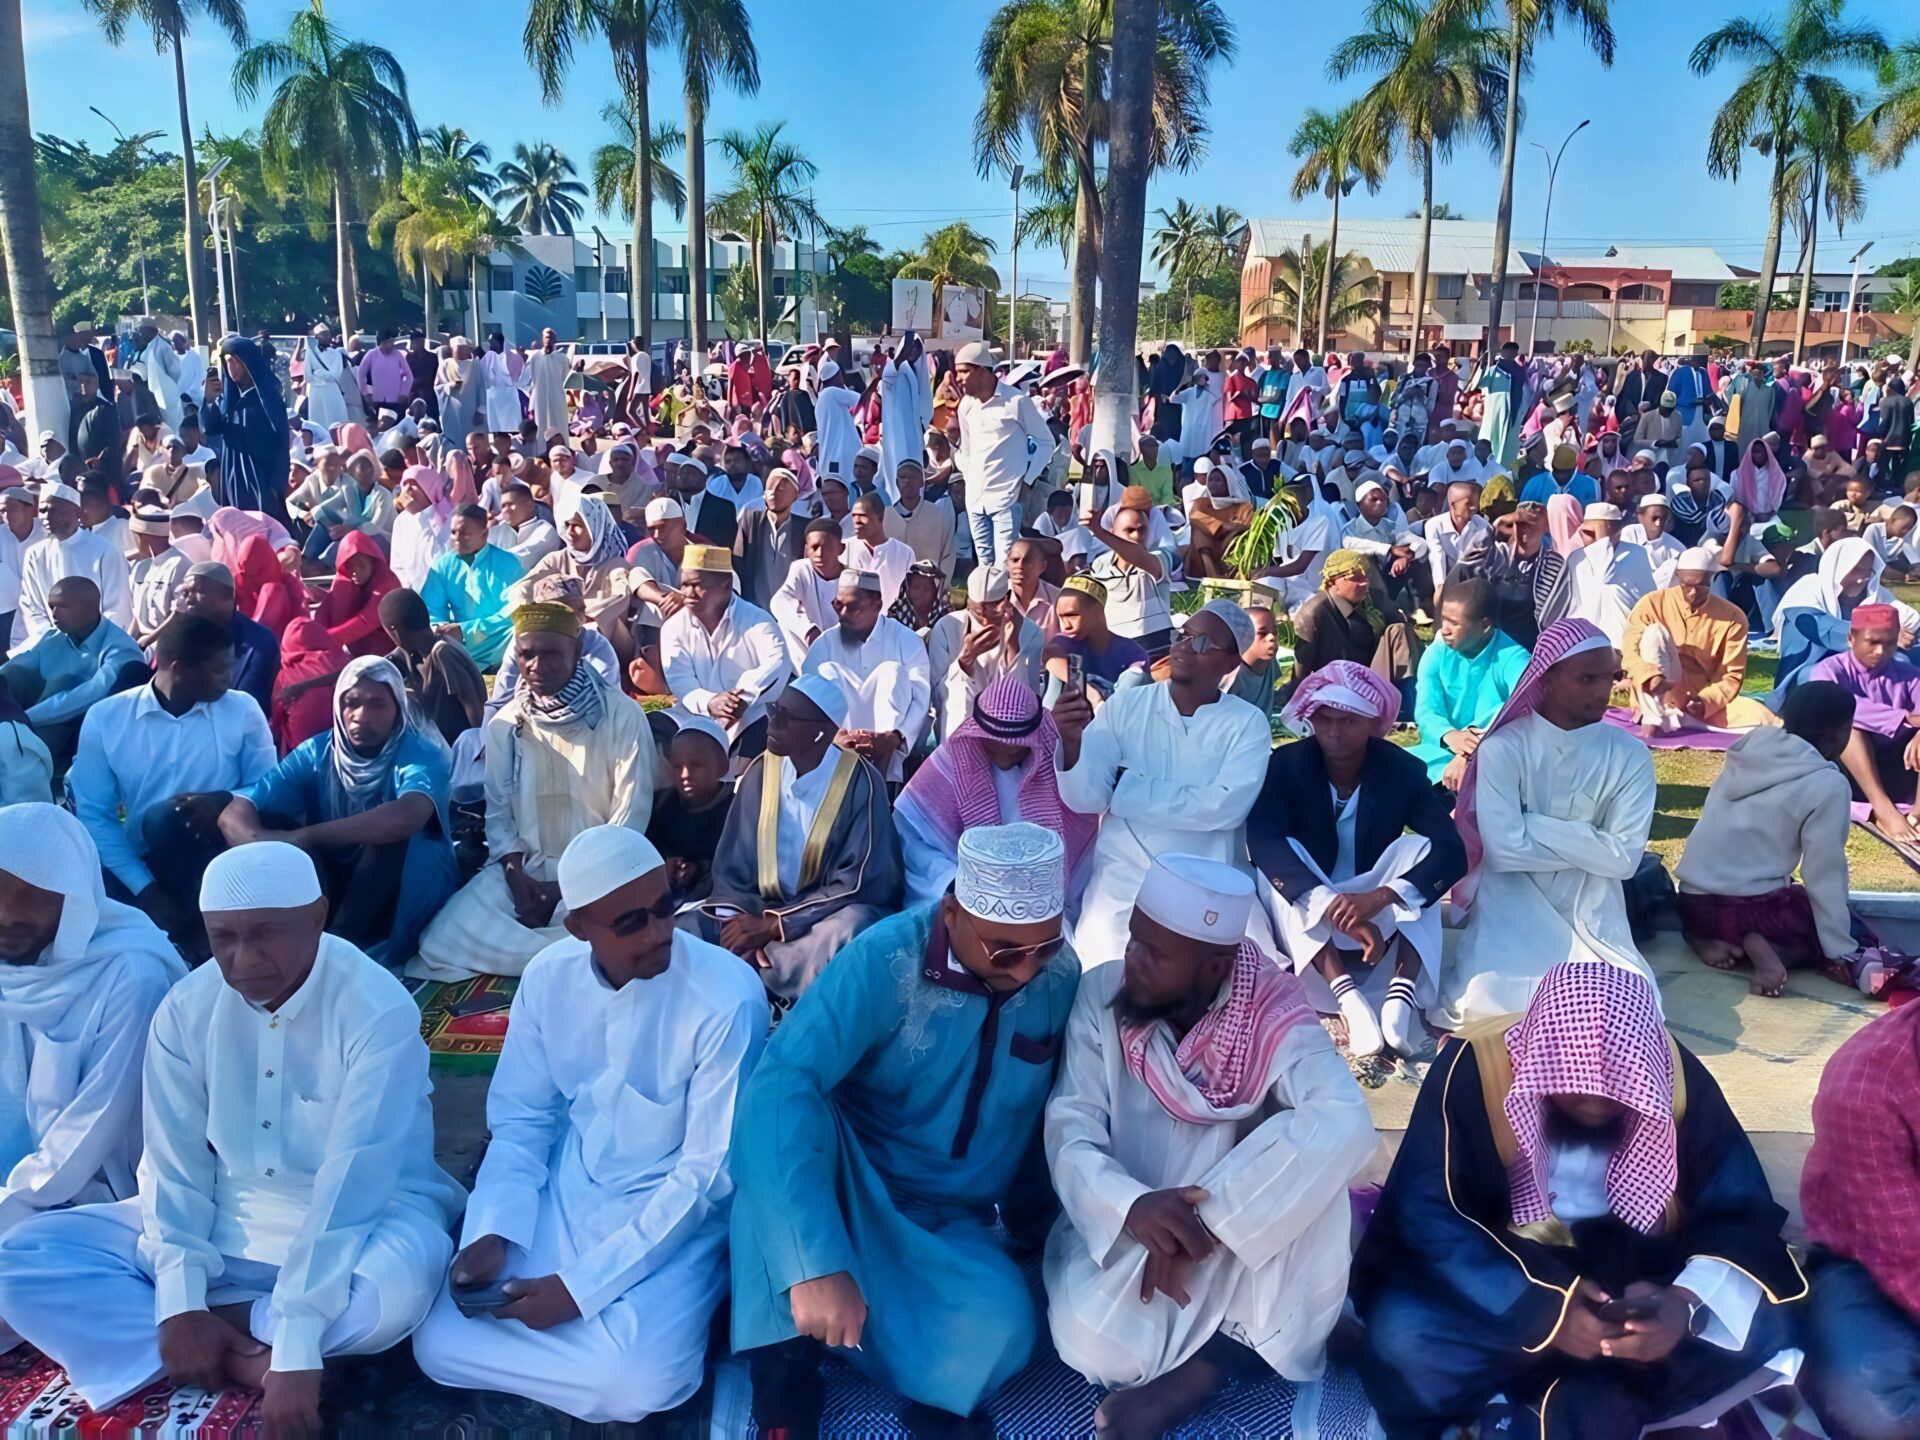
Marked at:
<point>464,1022</point>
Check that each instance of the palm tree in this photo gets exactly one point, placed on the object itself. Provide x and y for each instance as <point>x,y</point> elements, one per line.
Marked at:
<point>339,119</point>
<point>1335,155</point>
<point>424,208</point>
<point>1895,116</point>
<point>955,254</point>
<point>1781,83</point>
<point>168,20</point>
<point>716,43</point>
<point>1355,296</point>
<point>628,28</point>
<point>771,198</point>
<point>1225,231</point>
<point>1048,213</point>
<point>1177,243</point>
<point>1825,175</point>
<point>28,285</point>
<point>1524,24</point>
<point>539,191</point>
<point>1130,161</point>
<point>1045,64</point>
<point>613,167</point>
<point>1441,80</point>
<point>469,158</point>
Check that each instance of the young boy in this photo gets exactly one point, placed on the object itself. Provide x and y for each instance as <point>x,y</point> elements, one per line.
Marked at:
<point>687,819</point>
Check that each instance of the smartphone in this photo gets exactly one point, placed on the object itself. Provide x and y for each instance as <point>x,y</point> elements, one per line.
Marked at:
<point>1077,674</point>
<point>474,1301</point>
<point>489,1002</point>
<point>1638,1307</point>
<point>1088,501</point>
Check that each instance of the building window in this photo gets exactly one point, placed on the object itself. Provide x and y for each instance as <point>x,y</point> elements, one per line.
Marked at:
<point>502,279</point>
<point>1546,292</point>
<point>1696,294</point>
<point>1449,287</point>
<point>1649,293</point>
<point>586,279</point>
<point>671,283</point>
<point>1832,301</point>
<point>616,280</point>
<point>780,287</point>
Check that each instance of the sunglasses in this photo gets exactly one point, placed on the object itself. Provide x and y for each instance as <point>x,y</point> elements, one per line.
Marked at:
<point>1199,644</point>
<point>1015,956</point>
<point>634,922</point>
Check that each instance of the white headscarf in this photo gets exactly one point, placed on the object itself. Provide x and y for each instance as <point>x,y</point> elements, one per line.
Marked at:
<point>1821,591</point>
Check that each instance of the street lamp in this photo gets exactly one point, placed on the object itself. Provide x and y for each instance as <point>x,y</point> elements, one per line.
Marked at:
<point>1853,298</point>
<point>212,178</point>
<point>1553,168</point>
<point>1013,286</point>
<point>600,264</point>
<point>139,234</point>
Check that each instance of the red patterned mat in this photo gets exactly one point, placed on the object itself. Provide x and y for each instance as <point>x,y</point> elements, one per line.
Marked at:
<point>464,1022</point>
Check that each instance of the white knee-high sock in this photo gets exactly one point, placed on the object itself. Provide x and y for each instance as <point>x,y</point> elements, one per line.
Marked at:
<point>1363,1030</point>
<point>1399,1019</point>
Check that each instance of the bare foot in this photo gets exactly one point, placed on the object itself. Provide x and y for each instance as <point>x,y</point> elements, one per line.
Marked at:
<point>1151,1410</point>
<point>1716,953</point>
<point>1895,825</point>
<point>1769,970</point>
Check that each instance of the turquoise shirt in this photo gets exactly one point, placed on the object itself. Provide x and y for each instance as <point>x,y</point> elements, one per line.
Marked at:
<point>895,1106</point>
<point>59,677</point>
<point>1458,693</point>
<point>472,593</point>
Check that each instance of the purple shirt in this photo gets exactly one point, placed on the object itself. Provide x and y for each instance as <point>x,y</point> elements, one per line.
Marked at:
<point>386,378</point>
<point>1883,698</point>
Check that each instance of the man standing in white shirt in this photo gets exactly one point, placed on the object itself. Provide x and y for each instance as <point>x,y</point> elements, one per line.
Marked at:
<point>839,440</point>
<point>1004,445</point>
<point>289,1205</point>
<point>605,1191</point>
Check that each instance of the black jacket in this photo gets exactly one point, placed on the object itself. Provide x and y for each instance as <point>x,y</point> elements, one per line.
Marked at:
<point>1395,796</point>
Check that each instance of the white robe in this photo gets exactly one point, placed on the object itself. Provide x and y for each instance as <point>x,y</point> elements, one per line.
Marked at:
<point>1276,1174</point>
<point>803,603</point>
<point>1605,580</point>
<point>890,560</point>
<point>545,380</point>
<point>499,396</point>
<point>885,680</point>
<point>1139,769</point>
<point>906,409</point>
<point>610,1114</point>
<point>48,561</point>
<point>160,367</point>
<point>1564,817</point>
<point>326,385</point>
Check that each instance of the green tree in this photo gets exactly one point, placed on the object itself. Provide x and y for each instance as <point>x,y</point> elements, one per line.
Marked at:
<point>1825,176</point>
<point>1442,211</point>
<point>339,121</point>
<point>1355,295</point>
<point>1441,81</point>
<point>614,168</point>
<point>715,39</point>
<point>1894,119</point>
<point>1781,84</point>
<point>628,28</point>
<point>1335,155</point>
<point>244,194</point>
<point>770,199</point>
<point>1045,67</point>
<point>1047,214</point>
<point>470,160</point>
<point>538,190</point>
<point>955,254</point>
<point>855,290</point>
<point>168,22</point>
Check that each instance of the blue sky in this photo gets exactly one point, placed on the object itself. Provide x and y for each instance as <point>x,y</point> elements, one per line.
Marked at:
<point>882,94</point>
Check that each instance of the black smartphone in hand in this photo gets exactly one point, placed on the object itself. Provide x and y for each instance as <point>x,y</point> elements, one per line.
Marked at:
<point>473,1301</point>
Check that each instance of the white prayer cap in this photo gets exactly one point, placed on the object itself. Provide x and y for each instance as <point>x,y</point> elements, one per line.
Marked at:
<point>1457,443</point>
<point>1353,455</point>
<point>1646,455</point>
<point>1203,466</point>
<point>1366,487</point>
<point>1239,624</point>
<point>1563,406</point>
<point>829,369</point>
<point>602,859</point>
<point>868,452</point>
<point>54,490</point>
<point>263,875</point>
<point>824,694</point>
<point>854,580</point>
<point>1016,873</point>
<point>1449,424</point>
<point>46,435</point>
<point>987,583</point>
<point>663,507</point>
<point>692,462</point>
<point>1601,510</point>
<point>1698,557</point>
<point>1653,501</point>
<point>976,352</point>
<point>51,850</point>
<point>702,725</point>
<point>1262,443</point>
<point>200,505</point>
<point>1199,898</point>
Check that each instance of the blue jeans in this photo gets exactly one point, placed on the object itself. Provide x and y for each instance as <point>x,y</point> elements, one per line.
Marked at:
<point>993,535</point>
<point>1863,1355</point>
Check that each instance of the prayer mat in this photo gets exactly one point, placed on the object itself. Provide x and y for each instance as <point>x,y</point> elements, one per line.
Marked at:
<point>1703,739</point>
<point>464,1022</point>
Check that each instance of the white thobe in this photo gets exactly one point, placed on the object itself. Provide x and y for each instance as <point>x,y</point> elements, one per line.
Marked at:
<point>529,544</point>
<point>1377,541</point>
<point>1318,535</point>
<point>1605,580</point>
<point>906,409</point>
<point>1446,542</point>
<point>610,1114</point>
<point>500,396</point>
<point>82,553</point>
<point>193,373</point>
<point>1662,554</point>
<point>803,604</point>
<point>160,367</point>
<point>1563,817</point>
<point>1276,1174</point>
<point>13,560</point>
<point>890,560</point>
<point>155,581</point>
<point>289,1160</point>
<point>955,687</point>
<point>838,438</point>
<point>928,853</point>
<point>742,652</point>
<point>544,378</point>
<point>326,380</point>
<point>1165,783</point>
<point>884,678</point>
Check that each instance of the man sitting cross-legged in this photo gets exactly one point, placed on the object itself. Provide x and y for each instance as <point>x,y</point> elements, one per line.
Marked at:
<point>289,1208</point>
<point>604,1192</point>
<point>1575,1222</point>
<point>894,1109</point>
<point>1685,652</point>
<point>81,659</point>
<point>808,857</point>
<point>1883,753</point>
<point>1202,1136</point>
<point>1330,831</point>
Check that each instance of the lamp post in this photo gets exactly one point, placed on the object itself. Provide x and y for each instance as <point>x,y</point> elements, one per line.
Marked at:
<point>212,178</point>
<point>600,265</point>
<point>139,235</point>
<point>1853,298</point>
<point>1553,169</point>
<point>1013,284</point>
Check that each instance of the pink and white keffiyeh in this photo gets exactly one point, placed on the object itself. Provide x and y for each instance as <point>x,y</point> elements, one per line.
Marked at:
<point>1349,686</point>
<point>1224,1059</point>
<point>954,788</point>
<point>1595,1029</point>
<point>1760,491</point>
<point>1561,640</point>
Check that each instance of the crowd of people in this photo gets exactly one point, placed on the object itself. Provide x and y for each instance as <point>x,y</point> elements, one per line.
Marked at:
<point>901,936</point>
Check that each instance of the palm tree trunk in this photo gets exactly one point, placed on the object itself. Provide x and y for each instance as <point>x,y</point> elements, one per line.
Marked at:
<point>760,268</point>
<point>190,172</point>
<point>642,317</point>
<point>1086,275</point>
<point>1419,296</point>
<point>1806,272</point>
<point>696,227</point>
<point>1770,256</point>
<point>28,283</point>
<point>473,296</point>
<point>426,296</point>
<point>1325,317</point>
<point>1503,219</point>
<point>1124,224</point>
<point>347,275</point>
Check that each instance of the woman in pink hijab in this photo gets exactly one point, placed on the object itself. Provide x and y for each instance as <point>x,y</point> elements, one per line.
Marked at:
<point>420,530</point>
<point>229,530</point>
<point>1564,514</point>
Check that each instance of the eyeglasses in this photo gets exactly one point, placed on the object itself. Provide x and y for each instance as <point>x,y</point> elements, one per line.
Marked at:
<point>1200,644</point>
<point>1013,957</point>
<point>636,921</point>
